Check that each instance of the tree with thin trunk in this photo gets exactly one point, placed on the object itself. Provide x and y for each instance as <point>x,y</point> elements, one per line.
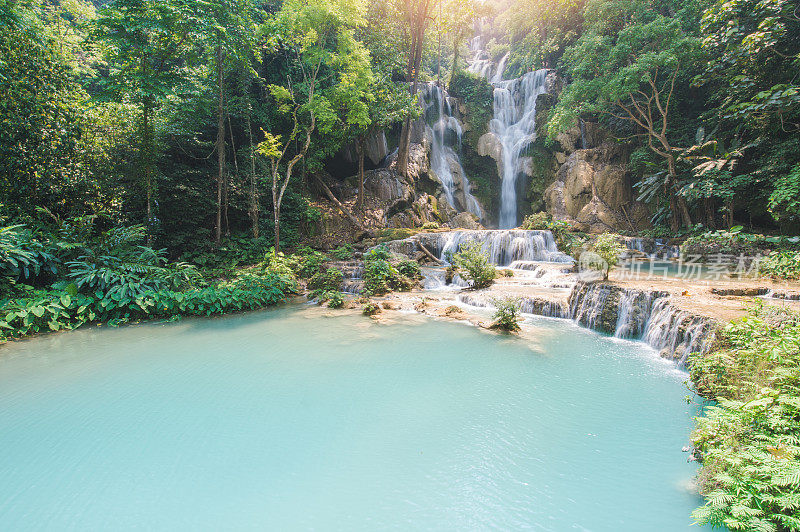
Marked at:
<point>146,61</point>
<point>631,73</point>
<point>416,16</point>
<point>276,152</point>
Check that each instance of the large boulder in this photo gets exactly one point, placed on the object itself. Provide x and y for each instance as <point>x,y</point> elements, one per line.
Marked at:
<point>592,190</point>
<point>388,185</point>
<point>464,220</point>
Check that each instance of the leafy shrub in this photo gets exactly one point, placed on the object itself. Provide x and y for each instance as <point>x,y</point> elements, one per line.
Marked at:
<point>603,254</point>
<point>53,310</point>
<point>120,264</point>
<point>749,442</point>
<point>380,252</point>
<point>538,221</point>
<point>335,300</point>
<point>731,242</point>
<point>344,252</point>
<point>279,264</point>
<point>474,266</point>
<point>309,262</point>
<point>371,308</point>
<point>326,281</point>
<point>379,276</point>
<point>781,264</point>
<point>430,226</point>
<point>784,202</point>
<point>410,269</point>
<point>507,313</point>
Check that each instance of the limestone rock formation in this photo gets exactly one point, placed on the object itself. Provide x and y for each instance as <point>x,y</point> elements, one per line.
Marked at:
<point>592,190</point>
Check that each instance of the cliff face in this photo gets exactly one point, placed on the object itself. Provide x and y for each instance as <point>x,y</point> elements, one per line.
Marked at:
<point>581,177</point>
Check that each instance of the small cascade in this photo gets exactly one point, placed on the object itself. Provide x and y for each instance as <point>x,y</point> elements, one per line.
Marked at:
<point>634,312</point>
<point>676,333</point>
<point>638,314</point>
<point>501,67</point>
<point>654,248</point>
<point>436,279</point>
<point>589,306</point>
<point>514,124</point>
<point>445,133</point>
<point>528,305</point>
<point>503,247</point>
<point>353,273</point>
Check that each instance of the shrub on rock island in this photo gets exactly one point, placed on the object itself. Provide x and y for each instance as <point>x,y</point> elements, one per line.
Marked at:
<point>473,265</point>
<point>603,254</point>
<point>506,315</point>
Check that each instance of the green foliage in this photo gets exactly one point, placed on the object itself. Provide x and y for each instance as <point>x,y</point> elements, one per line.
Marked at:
<point>749,440</point>
<point>537,221</point>
<point>279,264</point>
<point>781,265</point>
<point>507,313</point>
<point>379,276</point>
<point>410,269</point>
<point>335,300</point>
<point>326,281</point>
<point>309,262</point>
<point>539,32</point>
<point>784,202</point>
<point>54,310</point>
<point>476,92</point>
<point>606,250</point>
<point>344,252</point>
<point>371,308</point>
<point>473,265</point>
<point>566,239</point>
<point>382,276</point>
<point>731,242</point>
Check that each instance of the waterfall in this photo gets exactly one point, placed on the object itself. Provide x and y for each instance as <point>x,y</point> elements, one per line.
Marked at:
<point>676,332</point>
<point>501,67</point>
<point>445,132</point>
<point>633,313</point>
<point>502,246</point>
<point>588,305</point>
<point>654,248</point>
<point>638,314</point>
<point>515,126</point>
<point>528,305</point>
<point>514,122</point>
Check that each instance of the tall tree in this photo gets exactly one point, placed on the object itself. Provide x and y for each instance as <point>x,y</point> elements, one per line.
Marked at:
<point>148,44</point>
<point>317,38</point>
<point>627,66</point>
<point>416,15</point>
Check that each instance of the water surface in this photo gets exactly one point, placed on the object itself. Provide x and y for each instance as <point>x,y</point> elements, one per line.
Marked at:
<point>301,418</point>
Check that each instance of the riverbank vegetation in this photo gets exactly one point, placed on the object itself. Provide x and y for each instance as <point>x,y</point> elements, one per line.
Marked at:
<point>749,439</point>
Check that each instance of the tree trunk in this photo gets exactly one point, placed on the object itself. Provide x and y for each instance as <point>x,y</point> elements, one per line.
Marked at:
<point>680,210</point>
<point>454,66</point>
<point>276,212</point>
<point>220,146</point>
<point>254,207</point>
<point>412,75</point>
<point>360,150</point>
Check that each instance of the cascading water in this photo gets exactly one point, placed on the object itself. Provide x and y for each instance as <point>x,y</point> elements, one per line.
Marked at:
<point>515,127</point>
<point>445,133</point>
<point>501,67</point>
<point>637,314</point>
<point>514,122</point>
<point>502,246</point>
